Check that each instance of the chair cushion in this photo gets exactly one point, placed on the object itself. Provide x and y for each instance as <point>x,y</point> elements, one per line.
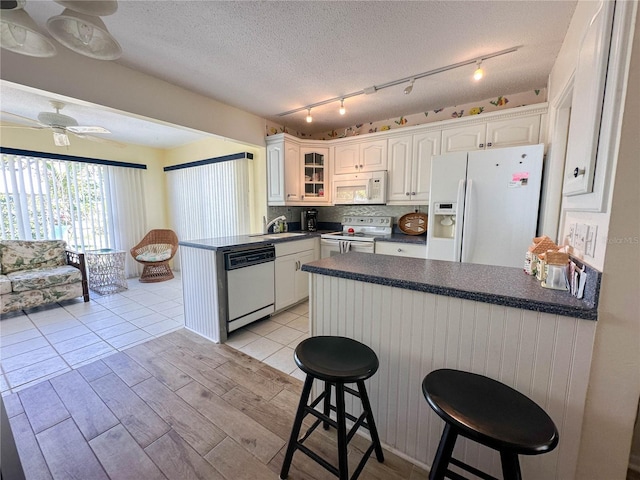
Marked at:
<point>38,278</point>
<point>17,255</point>
<point>5,285</point>
<point>154,252</point>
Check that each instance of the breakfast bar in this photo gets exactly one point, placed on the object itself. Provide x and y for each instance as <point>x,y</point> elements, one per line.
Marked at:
<point>421,315</point>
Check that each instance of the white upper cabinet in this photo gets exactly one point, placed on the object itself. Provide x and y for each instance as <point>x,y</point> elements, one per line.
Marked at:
<point>297,172</point>
<point>464,139</point>
<point>283,172</point>
<point>513,132</point>
<point>586,107</point>
<point>363,156</point>
<point>315,174</point>
<point>410,167</point>
<point>493,134</point>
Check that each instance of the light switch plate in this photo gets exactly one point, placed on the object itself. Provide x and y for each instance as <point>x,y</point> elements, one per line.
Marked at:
<point>572,233</point>
<point>580,236</point>
<point>590,242</point>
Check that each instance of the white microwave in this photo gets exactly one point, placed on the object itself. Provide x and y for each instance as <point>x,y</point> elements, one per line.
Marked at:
<point>360,188</point>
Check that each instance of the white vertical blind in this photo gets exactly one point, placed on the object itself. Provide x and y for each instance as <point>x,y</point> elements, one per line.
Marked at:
<point>127,219</point>
<point>210,200</point>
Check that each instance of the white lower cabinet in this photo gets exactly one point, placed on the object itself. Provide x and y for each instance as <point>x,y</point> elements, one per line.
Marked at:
<point>401,249</point>
<point>291,283</point>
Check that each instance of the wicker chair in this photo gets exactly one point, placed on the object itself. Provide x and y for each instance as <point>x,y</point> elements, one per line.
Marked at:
<point>155,251</point>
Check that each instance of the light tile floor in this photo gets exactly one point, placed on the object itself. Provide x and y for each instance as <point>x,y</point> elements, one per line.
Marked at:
<point>44,342</point>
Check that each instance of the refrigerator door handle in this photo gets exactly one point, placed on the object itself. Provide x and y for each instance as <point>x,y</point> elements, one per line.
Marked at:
<point>468,223</point>
<point>457,241</point>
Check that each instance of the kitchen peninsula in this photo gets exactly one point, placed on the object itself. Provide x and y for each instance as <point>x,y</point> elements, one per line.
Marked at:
<point>421,315</point>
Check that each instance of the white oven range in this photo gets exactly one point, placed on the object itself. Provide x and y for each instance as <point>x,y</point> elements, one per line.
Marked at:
<point>357,235</point>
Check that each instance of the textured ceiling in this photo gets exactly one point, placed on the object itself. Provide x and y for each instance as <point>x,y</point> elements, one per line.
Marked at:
<point>271,57</point>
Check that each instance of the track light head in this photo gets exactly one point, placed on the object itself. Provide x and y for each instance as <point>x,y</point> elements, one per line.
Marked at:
<point>479,73</point>
<point>409,88</point>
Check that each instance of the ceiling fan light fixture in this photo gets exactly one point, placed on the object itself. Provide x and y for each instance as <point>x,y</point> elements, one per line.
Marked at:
<point>84,34</point>
<point>20,34</point>
<point>60,137</point>
<point>97,8</point>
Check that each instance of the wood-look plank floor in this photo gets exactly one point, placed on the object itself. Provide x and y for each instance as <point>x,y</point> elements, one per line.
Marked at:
<point>177,407</point>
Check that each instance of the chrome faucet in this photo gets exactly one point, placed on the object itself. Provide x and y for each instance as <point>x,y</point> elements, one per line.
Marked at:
<point>268,225</point>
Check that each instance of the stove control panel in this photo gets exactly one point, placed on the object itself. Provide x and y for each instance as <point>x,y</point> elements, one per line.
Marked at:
<point>368,221</point>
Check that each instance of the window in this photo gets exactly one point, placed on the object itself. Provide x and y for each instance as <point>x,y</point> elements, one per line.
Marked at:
<point>88,205</point>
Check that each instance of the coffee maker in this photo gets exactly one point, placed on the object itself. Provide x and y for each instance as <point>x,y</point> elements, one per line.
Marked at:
<point>309,220</point>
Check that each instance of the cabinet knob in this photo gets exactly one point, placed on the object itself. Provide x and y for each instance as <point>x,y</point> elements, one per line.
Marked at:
<point>399,250</point>
<point>413,193</point>
<point>489,144</point>
<point>407,194</point>
<point>361,167</point>
<point>578,172</point>
<point>481,145</point>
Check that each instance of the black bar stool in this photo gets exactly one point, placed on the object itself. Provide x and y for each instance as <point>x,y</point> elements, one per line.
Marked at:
<point>336,361</point>
<point>490,413</point>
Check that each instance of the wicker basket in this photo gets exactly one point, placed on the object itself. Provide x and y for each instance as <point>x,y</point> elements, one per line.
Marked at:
<point>414,223</point>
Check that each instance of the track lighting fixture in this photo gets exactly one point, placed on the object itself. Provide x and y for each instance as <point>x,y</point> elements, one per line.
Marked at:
<point>479,73</point>
<point>79,28</point>
<point>20,34</point>
<point>409,88</point>
<point>374,88</point>
<point>84,34</point>
<point>342,109</point>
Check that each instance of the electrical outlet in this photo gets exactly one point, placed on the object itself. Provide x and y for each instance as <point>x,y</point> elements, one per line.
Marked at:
<point>580,236</point>
<point>590,243</point>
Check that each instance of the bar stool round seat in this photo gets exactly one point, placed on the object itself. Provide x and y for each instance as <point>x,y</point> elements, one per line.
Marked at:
<point>490,413</point>
<point>336,361</point>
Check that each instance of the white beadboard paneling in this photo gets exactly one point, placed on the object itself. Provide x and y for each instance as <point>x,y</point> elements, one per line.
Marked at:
<point>544,356</point>
<point>201,313</point>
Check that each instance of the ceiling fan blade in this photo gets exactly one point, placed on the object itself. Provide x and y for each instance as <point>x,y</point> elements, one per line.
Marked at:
<point>24,127</point>
<point>87,129</point>
<point>99,139</point>
<point>9,116</point>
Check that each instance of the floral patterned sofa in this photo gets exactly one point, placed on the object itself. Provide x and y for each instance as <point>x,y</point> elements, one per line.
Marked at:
<point>34,273</point>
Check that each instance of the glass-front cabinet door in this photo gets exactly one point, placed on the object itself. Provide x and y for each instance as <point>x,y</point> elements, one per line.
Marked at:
<point>315,172</point>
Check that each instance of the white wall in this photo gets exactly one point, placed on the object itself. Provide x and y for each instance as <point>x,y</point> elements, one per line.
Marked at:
<point>614,385</point>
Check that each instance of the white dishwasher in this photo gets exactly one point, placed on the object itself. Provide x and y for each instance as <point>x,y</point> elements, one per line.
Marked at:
<point>250,285</point>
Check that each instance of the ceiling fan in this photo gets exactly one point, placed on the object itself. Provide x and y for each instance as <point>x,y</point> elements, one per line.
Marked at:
<point>61,125</point>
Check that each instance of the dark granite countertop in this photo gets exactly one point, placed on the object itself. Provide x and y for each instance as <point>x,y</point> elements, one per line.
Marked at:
<point>484,283</point>
<point>404,238</point>
<point>226,243</point>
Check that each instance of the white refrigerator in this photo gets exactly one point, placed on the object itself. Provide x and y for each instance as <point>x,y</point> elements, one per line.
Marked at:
<point>483,205</point>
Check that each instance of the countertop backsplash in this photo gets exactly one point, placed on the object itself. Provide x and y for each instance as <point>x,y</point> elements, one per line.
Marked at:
<point>335,214</point>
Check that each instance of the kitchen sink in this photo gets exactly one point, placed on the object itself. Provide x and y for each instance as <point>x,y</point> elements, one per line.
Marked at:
<point>275,236</point>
